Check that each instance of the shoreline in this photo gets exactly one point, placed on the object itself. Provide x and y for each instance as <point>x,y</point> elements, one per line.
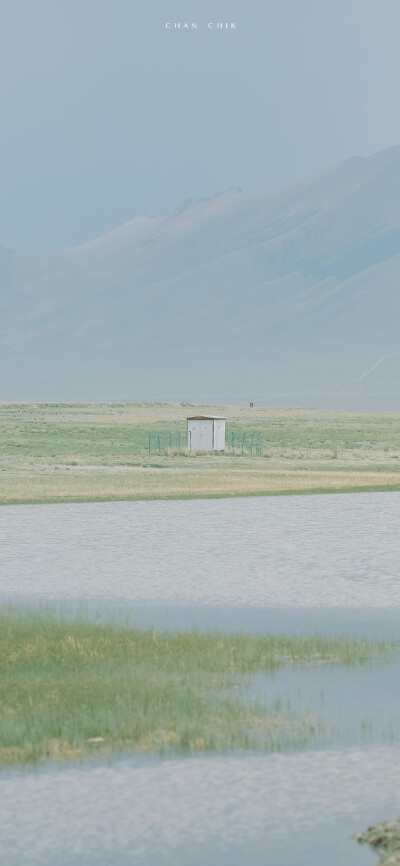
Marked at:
<point>317,491</point>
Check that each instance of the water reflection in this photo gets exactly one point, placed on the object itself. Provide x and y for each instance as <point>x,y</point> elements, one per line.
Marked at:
<point>356,705</point>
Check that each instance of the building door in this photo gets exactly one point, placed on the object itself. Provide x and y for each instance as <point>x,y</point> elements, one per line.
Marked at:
<point>206,436</point>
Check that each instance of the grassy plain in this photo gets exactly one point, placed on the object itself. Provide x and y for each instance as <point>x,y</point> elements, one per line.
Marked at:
<point>99,451</point>
<point>71,689</point>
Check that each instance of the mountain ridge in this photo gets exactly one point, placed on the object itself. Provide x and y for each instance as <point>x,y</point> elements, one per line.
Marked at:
<point>285,293</point>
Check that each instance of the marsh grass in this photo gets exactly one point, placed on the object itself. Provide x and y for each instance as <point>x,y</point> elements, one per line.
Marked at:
<point>71,689</point>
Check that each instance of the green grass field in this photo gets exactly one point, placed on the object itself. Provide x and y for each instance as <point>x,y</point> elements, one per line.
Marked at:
<point>72,689</point>
<point>99,451</point>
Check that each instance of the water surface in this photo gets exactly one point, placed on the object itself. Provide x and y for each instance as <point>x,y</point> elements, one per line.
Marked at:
<point>294,564</point>
<point>325,559</point>
<point>291,810</point>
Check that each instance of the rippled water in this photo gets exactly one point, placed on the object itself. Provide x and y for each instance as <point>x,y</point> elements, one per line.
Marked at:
<point>292,809</point>
<point>315,563</point>
<point>296,551</point>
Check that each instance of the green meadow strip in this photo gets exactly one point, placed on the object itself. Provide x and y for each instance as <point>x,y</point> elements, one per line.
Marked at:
<point>72,689</point>
<point>59,500</point>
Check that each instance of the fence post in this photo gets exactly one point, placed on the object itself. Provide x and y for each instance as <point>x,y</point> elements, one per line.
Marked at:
<point>233,443</point>
<point>259,443</point>
<point>159,447</point>
<point>149,443</point>
<point>243,438</point>
<point>170,439</point>
<point>251,444</point>
<point>179,440</point>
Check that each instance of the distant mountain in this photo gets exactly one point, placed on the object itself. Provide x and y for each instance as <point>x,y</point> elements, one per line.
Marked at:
<point>290,298</point>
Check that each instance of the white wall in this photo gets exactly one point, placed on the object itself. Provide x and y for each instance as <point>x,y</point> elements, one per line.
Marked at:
<point>200,436</point>
<point>219,435</point>
<point>206,435</point>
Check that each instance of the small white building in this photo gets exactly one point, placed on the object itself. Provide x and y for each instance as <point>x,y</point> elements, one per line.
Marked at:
<point>206,433</point>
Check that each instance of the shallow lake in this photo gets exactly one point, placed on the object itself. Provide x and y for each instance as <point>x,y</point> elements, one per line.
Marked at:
<point>289,563</point>
<point>296,564</point>
<point>281,809</point>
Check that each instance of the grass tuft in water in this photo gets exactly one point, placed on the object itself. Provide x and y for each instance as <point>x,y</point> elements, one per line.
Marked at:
<point>72,688</point>
<point>384,839</point>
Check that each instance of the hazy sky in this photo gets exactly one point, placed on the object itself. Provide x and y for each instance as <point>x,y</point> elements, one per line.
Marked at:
<point>106,114</point>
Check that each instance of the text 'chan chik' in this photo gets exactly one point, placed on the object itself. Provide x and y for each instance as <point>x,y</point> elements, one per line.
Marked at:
<point>193,25</point>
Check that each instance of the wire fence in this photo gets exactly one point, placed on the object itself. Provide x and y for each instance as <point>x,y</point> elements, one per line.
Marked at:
<point>236,443</point>
<point>246,443</point>
<point>159,442</point>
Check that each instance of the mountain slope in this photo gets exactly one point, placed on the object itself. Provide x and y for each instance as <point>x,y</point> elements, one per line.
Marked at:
<point>291,297</point>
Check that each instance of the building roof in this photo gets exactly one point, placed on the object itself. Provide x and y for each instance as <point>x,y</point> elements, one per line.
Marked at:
<point>206,418</point>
